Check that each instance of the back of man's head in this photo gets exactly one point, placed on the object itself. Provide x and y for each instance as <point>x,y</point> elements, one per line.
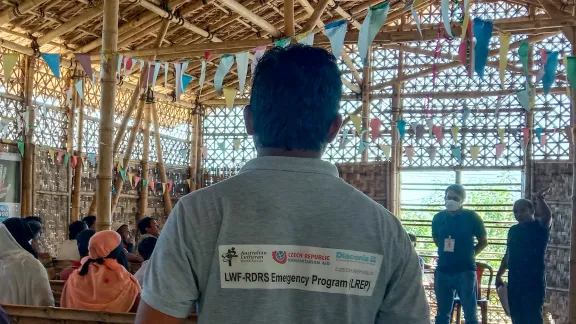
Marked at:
<point>295,98</point>
<point>143,224</point>
<point>90,220</point>
<point>146,247</point>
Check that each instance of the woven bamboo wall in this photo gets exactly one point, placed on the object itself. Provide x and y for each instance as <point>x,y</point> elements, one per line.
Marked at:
<point>370,178</point>
<point>557,176</point>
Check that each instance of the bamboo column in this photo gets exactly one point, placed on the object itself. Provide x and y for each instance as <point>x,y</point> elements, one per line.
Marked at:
<point>160,160</point>
<point>572,289</point>
<point>107,103</point>
<point>145,160</point>
<point>79,166</point>
<point>396,149</point>
<point>29,147</point>
<point>289,18</point>
<point>367,70</point>
<point>528,158</point>
<point>199,157</point>
<point>118,183</point>
<point>194,141</point>
<point>70,141</point>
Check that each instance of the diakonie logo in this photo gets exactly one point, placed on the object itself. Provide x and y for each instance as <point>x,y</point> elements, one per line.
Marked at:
<point>360,258</point>
<point>279,256</point>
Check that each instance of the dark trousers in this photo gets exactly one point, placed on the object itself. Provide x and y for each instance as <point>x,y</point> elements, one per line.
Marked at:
<point>526,303</point>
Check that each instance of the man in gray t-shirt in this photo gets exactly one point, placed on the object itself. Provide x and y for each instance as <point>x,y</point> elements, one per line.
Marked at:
<point>286,240</point>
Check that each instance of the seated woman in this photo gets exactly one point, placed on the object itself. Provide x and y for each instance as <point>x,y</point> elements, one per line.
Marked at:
<point>23,279</point>
<point>102,283</point>
<point>68,250</point>
<point>82,240</point>
<point>124,232</point>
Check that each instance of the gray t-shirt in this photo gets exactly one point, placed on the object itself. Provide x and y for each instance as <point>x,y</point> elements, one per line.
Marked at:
<point>285,241</point>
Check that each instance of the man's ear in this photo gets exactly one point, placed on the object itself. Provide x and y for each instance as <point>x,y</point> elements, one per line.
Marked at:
<point>248,120</point>
<point>334,129</point>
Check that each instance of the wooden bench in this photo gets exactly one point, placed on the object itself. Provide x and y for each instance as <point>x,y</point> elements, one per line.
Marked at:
<point>56,286</point>
<point>55,315</point>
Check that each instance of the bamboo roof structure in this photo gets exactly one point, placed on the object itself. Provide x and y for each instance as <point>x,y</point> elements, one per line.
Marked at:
<point>225,27</point>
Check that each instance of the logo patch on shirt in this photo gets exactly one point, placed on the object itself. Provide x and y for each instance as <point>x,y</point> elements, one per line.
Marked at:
<point>299,267</point>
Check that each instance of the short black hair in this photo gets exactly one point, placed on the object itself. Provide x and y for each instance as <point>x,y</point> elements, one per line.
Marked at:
<point>144,223</point>
<point>295,97</point>
<point>83,241</point>
<point>457,189</point>
<point>413,238</point>
<point>35,224</point>
<point>523,202</point>
<point>146,247</point>
<point>76,227</point>
<point>89,220</point>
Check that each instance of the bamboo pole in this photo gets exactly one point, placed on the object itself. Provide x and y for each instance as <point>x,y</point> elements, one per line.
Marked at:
<point>22,8</point>
<point>366,102</point>
<point>313,20</point>
<point>289,30</point>
<point>351,66</point>
<point>160,160</point>
<point>79,166</point>
<point>252,17</point>
<point>528,158</point>
<point>145,160</point>
<point>572,286</point>
<point>107,103</point>
<point>119,182</point>
<point>71,24</point>
<point>29,147</point>
<point>136,33</point>
<point>194,141</point>
<point>396,150</point>
<point>128,112</point>
<point>70,143</point>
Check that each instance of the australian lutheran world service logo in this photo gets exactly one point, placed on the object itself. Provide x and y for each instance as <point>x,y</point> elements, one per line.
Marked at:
<point>228,256</point>
<point>279,256</point>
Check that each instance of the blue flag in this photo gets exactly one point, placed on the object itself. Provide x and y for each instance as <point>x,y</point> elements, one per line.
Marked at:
<point>524,98</point>
<point>53,61</point>
<point>550,71</point>
<point>457,153</point>
<point>226,62</point>
<point>483,33</point>
<point>185,81</point>
<point>336,32</point>
<point>370,27</point>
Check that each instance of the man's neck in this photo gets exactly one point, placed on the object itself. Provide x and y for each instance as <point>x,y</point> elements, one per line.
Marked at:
<point>268,151</point>
<point>453,213</point>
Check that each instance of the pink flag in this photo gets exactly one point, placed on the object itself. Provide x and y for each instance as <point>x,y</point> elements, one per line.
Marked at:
<point>84,60</point>
<point>499,150</point>
<point>431,152</point>
<point>375,124</point>
<point>151,184</point>
<point>136,181</point>
<point>409,152</point>
<point>128,63</point>
<point>74,161</point>
<point>437,131</point>
<point>543,139</point>
<point>59,158</point>
<point>204,151</point>
<point>543,56</point>
<point>526,134</point>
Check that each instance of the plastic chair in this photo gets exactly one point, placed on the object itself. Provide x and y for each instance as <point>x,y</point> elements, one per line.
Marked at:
<point>483,303</point>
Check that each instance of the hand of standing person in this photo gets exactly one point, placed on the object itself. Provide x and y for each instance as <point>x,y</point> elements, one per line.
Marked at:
<point>541,209</point>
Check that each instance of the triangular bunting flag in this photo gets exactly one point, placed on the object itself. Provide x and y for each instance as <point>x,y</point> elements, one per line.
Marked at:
<point>465,115</point>
<point>178,79</point>
<point>571,70</point>
<point>170,185</point>
<point>123,174</point>
<point>336,33</point>
<point>59,158</point>
<point>189,183</point>
<point>501,134</point>
<point>136,180</point>
<point>526,136</point>
<point>362,146</point>
<point>222,146</point>
<point>413,126</point>
<point>236,143</point>
<point>455,130</point>
<point>8,63</point>
<point>242,69</point>
<point>429,123</point>
<point>151,184</point>
<point>499,150</point>
<point>85,63</point>
<point>21,148</point>
<point>282,42</point>
<point>401,124</point>
<point>130,176</point>
<point>79,88</point>
<point>229,96</point>
<point>74,161</point>
<point>305,39</point>
<point>202,74</point>
<point>539,131</point>
<point>420,130</point>
<point>66,159</point>
<point>550,68</point>
<point>370,26</point>
<point>357,121</point>
<point>409,152</point>
<point>483,33</point>
<point>524,98</point>
<point>416,18</point>
<point>145,184</point>
<point>543,138</point>
<point>343,139</point>
<point>504,46</point>
<point>431,152</point>
<point>53,61</point>
<point>474,150</point>
<point>156,72</point>
<point>204,152</point>
<point>92,159</point>
<point>375,124</point>
<point>456,153</point>
<point>226,62</point>
<point>258,53</point>
<point>386,149</point>
<point>185,81</point>
<point>51,154</point>
<point>445,8</point>
<point>166,75</point>
<point>523,53</point>
<point>439,133</point>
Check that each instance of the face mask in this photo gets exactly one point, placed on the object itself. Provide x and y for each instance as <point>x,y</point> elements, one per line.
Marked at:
<point>452,205</point>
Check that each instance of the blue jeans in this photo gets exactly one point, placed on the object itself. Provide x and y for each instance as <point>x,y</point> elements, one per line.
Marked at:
<point>463,283</point>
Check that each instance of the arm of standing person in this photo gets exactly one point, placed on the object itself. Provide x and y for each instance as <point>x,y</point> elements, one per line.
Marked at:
<point>170,285</point>
<point>542,210</point>
<point>502,270</point>
<point>405,300</point>
<point>435,230</point>
<point>480,234</point>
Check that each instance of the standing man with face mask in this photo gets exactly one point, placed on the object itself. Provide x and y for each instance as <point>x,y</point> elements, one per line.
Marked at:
<point>454,230</point>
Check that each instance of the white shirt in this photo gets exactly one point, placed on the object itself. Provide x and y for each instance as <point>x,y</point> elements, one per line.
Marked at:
<point>68,250</point>
<point>139,275</point>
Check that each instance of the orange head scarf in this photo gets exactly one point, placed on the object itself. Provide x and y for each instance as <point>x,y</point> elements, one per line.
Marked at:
<point>101,283</point>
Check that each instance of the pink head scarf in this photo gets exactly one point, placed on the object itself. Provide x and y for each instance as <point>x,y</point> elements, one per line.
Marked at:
<point>107,285</point>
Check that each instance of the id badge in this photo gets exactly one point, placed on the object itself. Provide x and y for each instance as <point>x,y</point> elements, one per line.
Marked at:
<point>449,244</point>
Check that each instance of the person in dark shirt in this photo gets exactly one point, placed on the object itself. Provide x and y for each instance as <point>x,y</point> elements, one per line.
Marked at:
<point>524,259</point>
<point>454,230</point>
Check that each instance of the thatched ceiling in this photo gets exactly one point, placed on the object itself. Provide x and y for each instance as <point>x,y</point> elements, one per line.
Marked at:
<point>73,26</point>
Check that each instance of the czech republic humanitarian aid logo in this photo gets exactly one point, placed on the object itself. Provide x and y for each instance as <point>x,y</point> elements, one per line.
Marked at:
<point>279,256</point>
